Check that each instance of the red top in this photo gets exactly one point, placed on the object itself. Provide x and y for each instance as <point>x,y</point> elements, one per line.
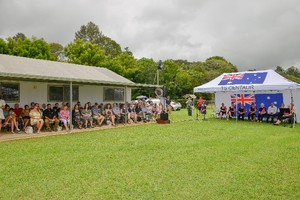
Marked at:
<point>200,102</point>
<point>18,111</point>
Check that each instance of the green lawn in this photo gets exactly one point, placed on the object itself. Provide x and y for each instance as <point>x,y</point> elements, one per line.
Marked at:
<point>187,159</point>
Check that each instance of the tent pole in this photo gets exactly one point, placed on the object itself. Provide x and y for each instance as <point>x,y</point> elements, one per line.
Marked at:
<point>126,105</point>
<point>292,101</point>
<point>236,116</point>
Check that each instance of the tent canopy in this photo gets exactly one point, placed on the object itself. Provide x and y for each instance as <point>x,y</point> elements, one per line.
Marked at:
<point>248,81</point>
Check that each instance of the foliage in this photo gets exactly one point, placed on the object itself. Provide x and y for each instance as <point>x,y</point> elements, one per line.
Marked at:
<point>187,159</point>
<point>3,47</point>
<point>292,73</point>
<point>85,53</point>
<point>19,45</point>
<point>58,51</point>
<point>91,33</point>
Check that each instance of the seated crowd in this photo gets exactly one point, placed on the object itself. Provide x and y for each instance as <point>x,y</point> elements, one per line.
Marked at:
<point>272,113</point>
<point>54,118</point>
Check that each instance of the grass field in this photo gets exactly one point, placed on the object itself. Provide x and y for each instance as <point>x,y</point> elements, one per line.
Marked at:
<point>187,159</point>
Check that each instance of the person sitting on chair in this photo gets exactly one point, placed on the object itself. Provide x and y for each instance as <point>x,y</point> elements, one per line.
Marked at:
<point>109,114</point>
<point>231,110</point>
<point>241,112</point>
<point>252,113</point>
<point>271,112</point>
<point>64,117</point>
<point>97,114</point>
<point>50,117</point>
<point>223,110</point>
<point>288,114</point>
<point>11,119</point>
<point>86,113</point>
<point>262,112</point>
<point>36,117</point>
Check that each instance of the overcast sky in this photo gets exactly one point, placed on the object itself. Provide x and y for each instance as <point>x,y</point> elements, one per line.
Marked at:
<point>260,34</point>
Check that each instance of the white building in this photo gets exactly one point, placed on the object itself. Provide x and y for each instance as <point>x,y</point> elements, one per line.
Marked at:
<point>25,80</point>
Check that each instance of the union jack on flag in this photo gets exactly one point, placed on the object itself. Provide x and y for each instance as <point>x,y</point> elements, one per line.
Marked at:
<point>243,99</point>
<point>243,78</point>
<point>237,76</point>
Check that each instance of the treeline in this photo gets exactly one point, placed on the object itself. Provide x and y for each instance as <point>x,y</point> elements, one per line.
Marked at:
<point>91,47</point>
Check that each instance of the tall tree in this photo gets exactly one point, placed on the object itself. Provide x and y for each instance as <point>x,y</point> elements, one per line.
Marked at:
<point>21,36</point>
<point>86,53</point>
<point>58,51</point>
<point>129,64</point>
<point>91,33</point>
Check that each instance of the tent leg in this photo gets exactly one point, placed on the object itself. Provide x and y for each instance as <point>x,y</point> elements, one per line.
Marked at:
<point>236,115</point>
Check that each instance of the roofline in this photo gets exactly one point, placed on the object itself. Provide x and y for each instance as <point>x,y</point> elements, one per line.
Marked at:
<point>28,77</point>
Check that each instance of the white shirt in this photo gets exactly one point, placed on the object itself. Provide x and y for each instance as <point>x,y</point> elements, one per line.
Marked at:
<point>272,110</point>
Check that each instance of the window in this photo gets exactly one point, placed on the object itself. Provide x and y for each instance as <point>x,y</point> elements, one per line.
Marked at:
<point>113,94</point>
<point>62,93</point>
<point>10,91</point>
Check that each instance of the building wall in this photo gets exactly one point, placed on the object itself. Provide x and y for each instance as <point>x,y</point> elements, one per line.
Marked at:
<point>33,92</point>
<point>38,92</point>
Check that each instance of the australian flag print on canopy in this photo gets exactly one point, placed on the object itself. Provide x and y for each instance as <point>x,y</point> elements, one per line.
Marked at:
<point>266,99</point>
<point>243,78</point>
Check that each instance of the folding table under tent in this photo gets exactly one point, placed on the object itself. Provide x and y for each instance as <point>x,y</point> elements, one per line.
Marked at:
<point>252,86</point>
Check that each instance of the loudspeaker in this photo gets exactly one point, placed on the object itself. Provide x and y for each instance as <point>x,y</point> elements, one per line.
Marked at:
<point>164,116</point>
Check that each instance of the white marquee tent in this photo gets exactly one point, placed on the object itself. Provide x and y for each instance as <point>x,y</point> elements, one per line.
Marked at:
<point>252,82</point>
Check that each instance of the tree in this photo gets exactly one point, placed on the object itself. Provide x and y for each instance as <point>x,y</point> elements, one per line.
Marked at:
<point>279,70</point>
<point>3,47</point>
<point>86,53</point>
<point>293,71</point>
<point>31,48</point>
<point>58,51</point>
<point>91,33</point>
<point>147,73</point>
<point>21,36</point>
<point>129,64</point>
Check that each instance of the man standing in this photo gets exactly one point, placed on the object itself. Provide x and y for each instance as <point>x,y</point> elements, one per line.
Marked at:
<point>50,117</point>
<point>189,106</point>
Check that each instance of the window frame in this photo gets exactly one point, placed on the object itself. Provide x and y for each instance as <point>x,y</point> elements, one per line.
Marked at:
<point>18,88</point>
<point>114,95</point>
<point>64,95</point>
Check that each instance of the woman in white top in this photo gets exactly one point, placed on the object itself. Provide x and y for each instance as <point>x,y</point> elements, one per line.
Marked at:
<point>2,104</point>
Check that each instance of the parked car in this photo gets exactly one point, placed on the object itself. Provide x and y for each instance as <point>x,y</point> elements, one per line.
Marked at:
<point>175,105</point>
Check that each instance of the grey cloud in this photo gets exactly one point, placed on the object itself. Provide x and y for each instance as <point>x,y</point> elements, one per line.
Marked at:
<point>250,34</point>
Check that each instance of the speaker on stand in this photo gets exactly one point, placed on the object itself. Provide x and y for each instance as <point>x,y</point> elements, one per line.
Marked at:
<point>164,116</point>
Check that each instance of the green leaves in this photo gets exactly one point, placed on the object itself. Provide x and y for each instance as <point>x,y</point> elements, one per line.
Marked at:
<point>85,53</point>
<point>19,45</point>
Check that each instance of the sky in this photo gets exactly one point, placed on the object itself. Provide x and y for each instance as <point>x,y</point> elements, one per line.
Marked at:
<point>256,34</point>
